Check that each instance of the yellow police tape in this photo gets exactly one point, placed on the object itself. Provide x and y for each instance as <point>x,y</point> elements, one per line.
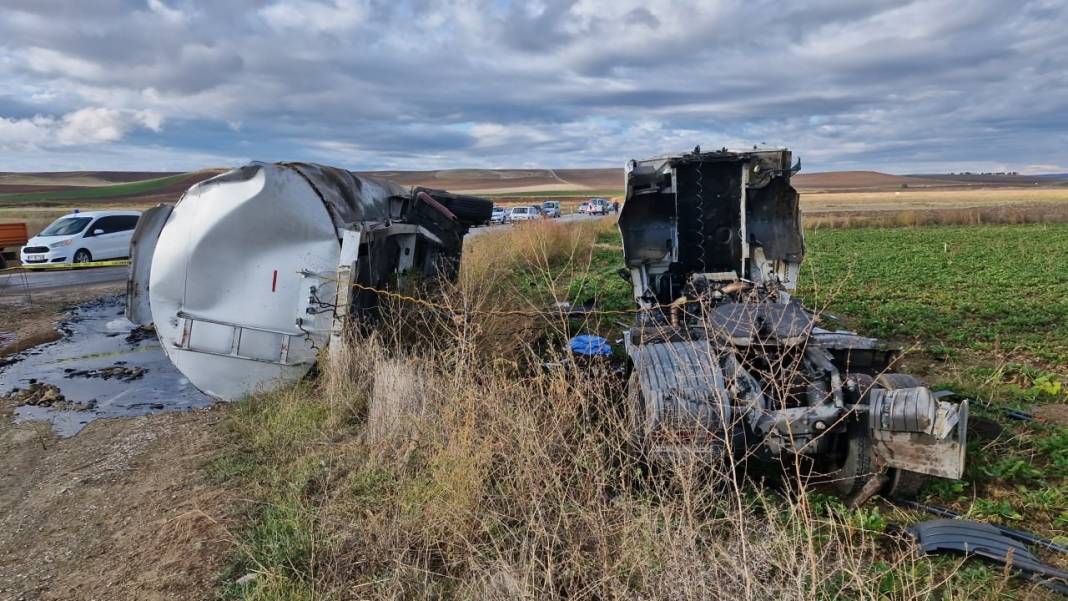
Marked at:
<point>63,266</point>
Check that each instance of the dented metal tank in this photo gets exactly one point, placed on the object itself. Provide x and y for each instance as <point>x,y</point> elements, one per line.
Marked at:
<point>252,273</point>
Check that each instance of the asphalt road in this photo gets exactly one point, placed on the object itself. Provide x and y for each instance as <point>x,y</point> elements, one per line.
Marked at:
<point>491,228</point>
<point>20,282</point>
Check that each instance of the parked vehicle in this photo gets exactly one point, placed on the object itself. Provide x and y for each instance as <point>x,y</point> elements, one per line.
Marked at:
<point>551,208</point>
<point>83,237</point>
<point>498,215</point>
<point>12,236</point>
<point>523,214</point>
<point>599,206</point>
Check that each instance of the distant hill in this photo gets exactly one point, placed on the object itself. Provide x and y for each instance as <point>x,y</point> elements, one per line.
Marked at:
<point>65,188</point>
<point>859,180</point>
<point>87,187</point>
<point>995,179</point>
<point>509,180</point>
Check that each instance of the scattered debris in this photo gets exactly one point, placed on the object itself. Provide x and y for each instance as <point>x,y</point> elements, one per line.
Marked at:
<point>988,542</point>
<point>39,394</point>
<point>1020,535</point>
<point>140,333</point>
<point>117,371</point>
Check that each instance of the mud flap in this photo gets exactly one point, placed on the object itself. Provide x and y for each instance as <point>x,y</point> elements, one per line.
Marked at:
<point>142,247</point>
<point>912,430</point>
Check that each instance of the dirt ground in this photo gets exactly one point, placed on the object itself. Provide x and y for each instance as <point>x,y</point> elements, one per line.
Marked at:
<point>122,510</point>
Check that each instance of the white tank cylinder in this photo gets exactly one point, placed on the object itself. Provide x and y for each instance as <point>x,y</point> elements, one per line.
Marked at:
<point>230,287</point>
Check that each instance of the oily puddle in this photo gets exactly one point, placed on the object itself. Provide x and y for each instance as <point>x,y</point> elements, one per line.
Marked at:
<point>103,367</point>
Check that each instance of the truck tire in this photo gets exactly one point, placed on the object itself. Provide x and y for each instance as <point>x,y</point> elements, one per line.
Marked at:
<point>859,464</point>
<point>470,211</point>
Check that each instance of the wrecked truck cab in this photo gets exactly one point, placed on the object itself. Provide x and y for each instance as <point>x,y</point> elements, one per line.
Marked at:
<point>726,364</point>
<point>253,272</point>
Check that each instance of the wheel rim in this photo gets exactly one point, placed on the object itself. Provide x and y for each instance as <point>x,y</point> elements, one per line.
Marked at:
<point>81,257</point>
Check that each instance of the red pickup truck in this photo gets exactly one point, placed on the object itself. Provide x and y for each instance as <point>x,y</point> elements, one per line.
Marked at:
<point>12,237</point>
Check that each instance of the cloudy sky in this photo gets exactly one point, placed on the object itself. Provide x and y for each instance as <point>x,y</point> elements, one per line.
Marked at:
<point>903,87</point>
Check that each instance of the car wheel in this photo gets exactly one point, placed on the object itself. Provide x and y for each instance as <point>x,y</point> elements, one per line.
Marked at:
<point>82,256</point>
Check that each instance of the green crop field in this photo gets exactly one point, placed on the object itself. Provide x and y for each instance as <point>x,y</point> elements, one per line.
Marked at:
<point>138,188</point>
<point>984,310</point>
<point>998,291</point>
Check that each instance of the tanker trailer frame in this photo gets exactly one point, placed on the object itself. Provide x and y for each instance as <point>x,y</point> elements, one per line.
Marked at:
<point>726,364</point>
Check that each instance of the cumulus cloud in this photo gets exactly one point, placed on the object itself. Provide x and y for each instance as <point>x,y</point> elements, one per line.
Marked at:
<point>311,17</point>
<point>94,125</point>
<point>918,86</point>
<point>167,13</point>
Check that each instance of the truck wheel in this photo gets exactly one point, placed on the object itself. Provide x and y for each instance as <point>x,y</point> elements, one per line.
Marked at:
<point>82,256</point>
<point>904,484</point>
<point>470,211</point>
<point>859,464</point>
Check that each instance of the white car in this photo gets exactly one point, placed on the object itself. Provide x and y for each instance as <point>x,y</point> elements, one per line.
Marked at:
<point>523,214</point>
<point>551,208</point>
<point>82,237</point>
<point>499,215</point>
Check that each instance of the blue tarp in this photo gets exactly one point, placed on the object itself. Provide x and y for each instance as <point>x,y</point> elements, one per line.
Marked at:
<point>591,346</point>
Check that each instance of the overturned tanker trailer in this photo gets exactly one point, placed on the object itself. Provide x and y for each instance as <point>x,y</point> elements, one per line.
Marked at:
<point>253,272</point>
<point>727,365</point>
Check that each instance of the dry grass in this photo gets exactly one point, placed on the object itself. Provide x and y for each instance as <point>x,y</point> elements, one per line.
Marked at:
<point>918,199</point>
<point>498,487</point>
<point>445,474</point>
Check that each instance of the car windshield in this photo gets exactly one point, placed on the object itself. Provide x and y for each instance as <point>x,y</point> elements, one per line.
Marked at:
<point>521,210</point>
<point>66,226</point>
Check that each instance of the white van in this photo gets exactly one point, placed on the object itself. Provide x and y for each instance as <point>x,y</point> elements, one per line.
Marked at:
<point>524,213</point>
<point>83,237</point>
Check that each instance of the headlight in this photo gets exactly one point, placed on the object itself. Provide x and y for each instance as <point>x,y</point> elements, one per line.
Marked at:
<point>58,244</point>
